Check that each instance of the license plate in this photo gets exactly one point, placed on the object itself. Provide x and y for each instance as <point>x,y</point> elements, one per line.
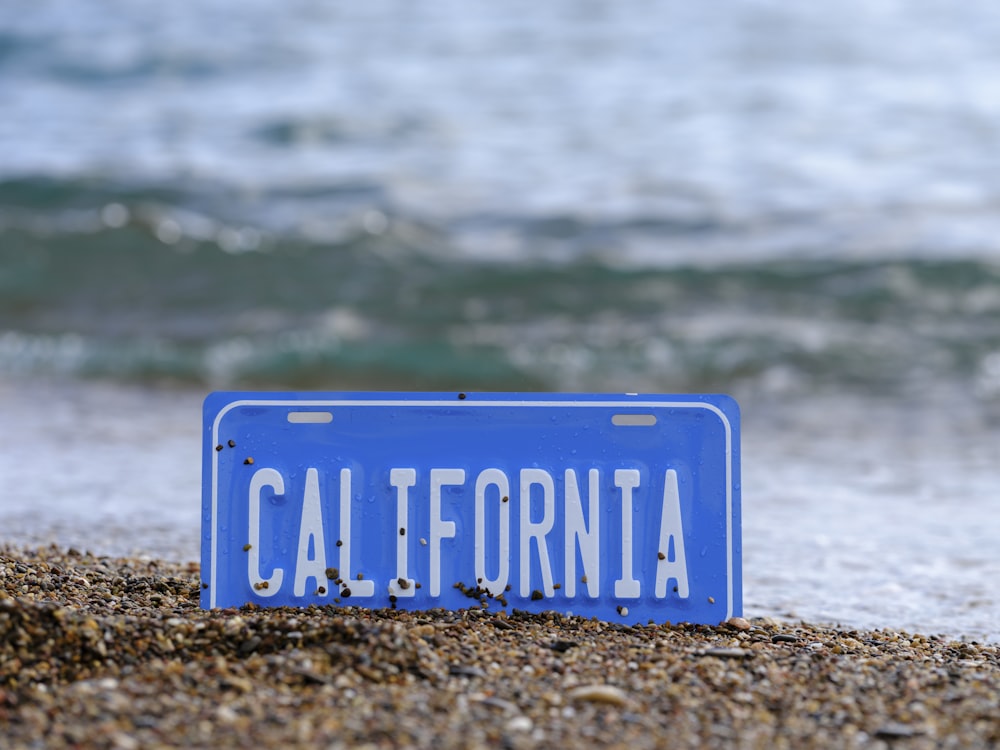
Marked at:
<point>625,507</point>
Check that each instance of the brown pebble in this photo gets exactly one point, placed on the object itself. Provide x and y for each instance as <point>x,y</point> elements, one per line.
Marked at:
<point>609,694</point>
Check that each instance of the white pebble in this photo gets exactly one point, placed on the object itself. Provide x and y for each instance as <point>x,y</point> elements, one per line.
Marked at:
<point>520,724</point>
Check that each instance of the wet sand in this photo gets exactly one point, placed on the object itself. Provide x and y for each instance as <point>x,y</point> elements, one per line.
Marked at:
<point>104,652</point>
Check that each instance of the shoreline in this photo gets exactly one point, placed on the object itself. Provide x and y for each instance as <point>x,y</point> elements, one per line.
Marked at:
<point>115,652</point>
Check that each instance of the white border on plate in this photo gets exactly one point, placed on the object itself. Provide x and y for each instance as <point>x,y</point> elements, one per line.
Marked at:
<point>470,404</point>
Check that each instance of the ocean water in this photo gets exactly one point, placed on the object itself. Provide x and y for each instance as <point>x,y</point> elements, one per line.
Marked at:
<point>796,205</point>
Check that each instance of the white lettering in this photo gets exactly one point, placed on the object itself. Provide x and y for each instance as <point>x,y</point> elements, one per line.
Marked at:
<point>402,480</point>
<point>262,586</point>
<point>577,533</point>
<point>674,562</point>
<point>536,530</point>
<point>627,587</point>
<point>310,536</point>
<point>493,478</point>
<point>440,529</point>
<point>358,588</point>
<point>492,546</point>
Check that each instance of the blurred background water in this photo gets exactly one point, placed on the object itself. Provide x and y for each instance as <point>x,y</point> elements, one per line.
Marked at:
<point>797,204</point>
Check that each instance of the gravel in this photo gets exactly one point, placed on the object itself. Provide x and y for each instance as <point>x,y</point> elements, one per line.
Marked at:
<point>116,653</point>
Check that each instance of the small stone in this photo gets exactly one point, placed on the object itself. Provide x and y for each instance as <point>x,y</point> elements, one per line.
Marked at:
<point>726,653</point>
<point>500,704</point>
<point>784,638</point>
<point>561,646</point>
<point>520,724</point>
<point>463,670</point>
<point>124,741</point>
<point>895,730</point>
<point>738,623</point>
<point>609,694</point>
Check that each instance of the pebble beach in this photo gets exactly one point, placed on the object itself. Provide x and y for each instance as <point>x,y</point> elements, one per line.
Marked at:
<point>114,652</point>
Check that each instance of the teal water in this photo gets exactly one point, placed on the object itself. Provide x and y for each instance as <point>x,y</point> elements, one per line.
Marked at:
<point>402,306</point>
<point>744,196</point>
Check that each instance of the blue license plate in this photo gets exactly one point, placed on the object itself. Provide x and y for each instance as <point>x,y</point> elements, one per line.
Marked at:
<point>625,507</point>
